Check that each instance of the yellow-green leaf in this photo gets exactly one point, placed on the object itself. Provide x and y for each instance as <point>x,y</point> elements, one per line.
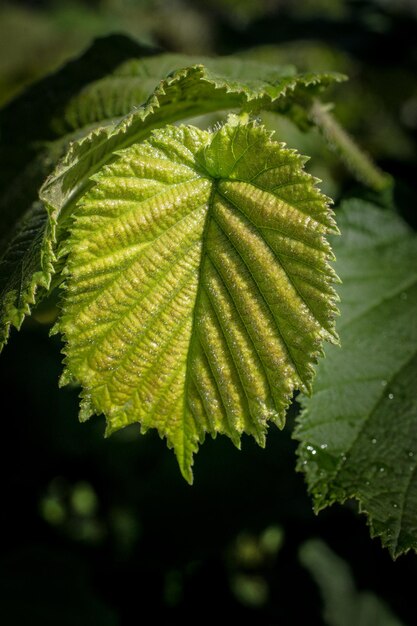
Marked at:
<point>198,292</point>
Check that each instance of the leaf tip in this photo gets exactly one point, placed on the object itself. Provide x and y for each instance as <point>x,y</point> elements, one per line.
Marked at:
<point>187,474</point>
<point>66,378</point>
<point>86,409</point>
<point>185,463</point>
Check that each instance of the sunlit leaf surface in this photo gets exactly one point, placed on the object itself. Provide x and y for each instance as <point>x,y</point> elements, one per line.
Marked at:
<point>199,292</point>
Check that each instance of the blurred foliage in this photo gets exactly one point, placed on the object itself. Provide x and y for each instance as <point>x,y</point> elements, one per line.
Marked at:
<point>48,36</point>
<point>344,605</point>
<point>105,531</point>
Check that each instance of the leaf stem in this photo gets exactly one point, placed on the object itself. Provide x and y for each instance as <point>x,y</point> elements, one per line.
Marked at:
<point>357,161</point>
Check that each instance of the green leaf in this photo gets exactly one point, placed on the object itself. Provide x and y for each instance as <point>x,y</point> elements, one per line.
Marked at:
<point>25,267</point>
<point>27,259</point>
<point>131,84</point>
<point>344,605</point>
<point>186,93</point>
<point>358,431</point>
<point>198,292</point>
<point>28,153</point>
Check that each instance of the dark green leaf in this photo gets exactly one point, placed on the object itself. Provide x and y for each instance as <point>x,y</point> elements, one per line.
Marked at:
<point>358,431</point>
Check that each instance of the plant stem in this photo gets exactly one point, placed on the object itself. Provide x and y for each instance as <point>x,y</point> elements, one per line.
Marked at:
<point>357,161</point>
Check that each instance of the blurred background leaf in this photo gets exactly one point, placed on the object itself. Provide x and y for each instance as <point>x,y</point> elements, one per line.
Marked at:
<point>344,605</point>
